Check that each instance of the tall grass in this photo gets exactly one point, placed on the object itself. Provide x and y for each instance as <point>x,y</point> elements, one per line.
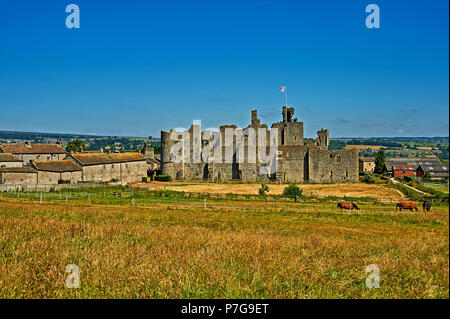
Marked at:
<point>157,252</point>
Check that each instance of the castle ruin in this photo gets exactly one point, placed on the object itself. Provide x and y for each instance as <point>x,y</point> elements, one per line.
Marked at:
<point>297,159</point>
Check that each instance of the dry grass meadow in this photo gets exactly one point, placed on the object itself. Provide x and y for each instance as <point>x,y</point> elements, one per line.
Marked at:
<point>163,250</point>
<point>313,190</point>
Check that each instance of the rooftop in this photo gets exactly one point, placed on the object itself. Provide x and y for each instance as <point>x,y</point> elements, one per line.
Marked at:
<point>29,148</point>
<point>367,159</point>
<point>56,166</point>
<point>25,169</point>
<point>106,158</point>
<point>403,167</point>
<point>435,168</point>
<point>8,157</point>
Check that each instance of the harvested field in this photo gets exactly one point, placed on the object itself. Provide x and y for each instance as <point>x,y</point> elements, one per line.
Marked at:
<point>314,190</point>
<point>364,147</point>
<point>187,252</point>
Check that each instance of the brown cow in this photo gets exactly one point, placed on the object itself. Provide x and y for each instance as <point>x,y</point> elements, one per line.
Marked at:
<point>406,205</point>
<point>346,205</point>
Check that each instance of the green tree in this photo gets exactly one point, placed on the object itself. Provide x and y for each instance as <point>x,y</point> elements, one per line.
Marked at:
<point>76,146</point>
<point>369,178</point>
<point>379,162</point>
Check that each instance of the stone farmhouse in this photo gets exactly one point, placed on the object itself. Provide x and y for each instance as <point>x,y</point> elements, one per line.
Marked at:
<point>34,152</point>
<point>25,175</point>
<point>110,167</point>
<point>55,172</point>
<point>366,164</point>
<point>298,159</point>
<point>47,164</point>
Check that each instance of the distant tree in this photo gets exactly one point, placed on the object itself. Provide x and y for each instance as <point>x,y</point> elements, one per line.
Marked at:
<point>369,178</point>
<point>379,162</point>
<point>263,189</point>
<point>76,146</point>
<point>336,145</point>
<point>427,175</point>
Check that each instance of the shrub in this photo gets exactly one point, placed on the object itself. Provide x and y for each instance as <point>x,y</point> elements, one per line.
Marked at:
<point>292,190</point>
<point>263,189</point>
<point>369,178</point>
<point>163,178</point>
<point>407,178</point>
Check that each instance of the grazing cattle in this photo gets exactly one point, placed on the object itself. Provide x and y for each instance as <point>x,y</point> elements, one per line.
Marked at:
<point>406,205</point>
<point>345,205</point>
<point>426,206</point>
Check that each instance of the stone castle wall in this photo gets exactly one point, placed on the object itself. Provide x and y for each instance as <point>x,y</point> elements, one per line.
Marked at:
<point>298,159</point>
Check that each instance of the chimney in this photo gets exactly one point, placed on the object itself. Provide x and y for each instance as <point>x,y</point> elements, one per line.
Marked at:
<point>58,143</point>
<point>27,144</point>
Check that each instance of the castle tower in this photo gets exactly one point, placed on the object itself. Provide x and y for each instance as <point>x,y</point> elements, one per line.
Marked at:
<point>323,139</point>
<point>167,167</point>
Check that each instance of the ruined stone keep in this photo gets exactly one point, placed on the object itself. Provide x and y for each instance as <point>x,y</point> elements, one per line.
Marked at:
<point>297,159</point>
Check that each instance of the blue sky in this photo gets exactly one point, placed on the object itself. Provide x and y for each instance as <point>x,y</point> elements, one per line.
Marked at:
<point>138,67</point>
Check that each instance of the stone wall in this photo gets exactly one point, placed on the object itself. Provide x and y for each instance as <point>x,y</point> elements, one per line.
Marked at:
<point>297,159</point>
<point>54,177</point>
<point>129,172</point>
<point>11,164</point>
<point>332,166</point>
<point>27,158</point>
<point>16,178</point>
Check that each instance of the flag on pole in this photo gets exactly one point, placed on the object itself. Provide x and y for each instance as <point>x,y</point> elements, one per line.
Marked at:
<point>282,89</point>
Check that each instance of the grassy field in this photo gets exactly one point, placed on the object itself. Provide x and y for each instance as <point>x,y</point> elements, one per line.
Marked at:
<point>166,250</point>
<point>437,186</point>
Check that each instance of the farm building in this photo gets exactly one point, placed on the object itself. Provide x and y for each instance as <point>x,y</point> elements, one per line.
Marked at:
<point>57,172</point>
<point>28,152</point>
<point>26,175</point>
<point>110,167</point>
<point>401,171</point>
<point>410,161</point>
<point>9,160</point>
<point>435,171</point>
<point>366,164</point>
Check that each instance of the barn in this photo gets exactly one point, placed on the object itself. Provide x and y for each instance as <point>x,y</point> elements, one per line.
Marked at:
<point>400,171</point>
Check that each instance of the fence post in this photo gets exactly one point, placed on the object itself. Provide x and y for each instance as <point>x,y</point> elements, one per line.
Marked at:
<point>66,198</point>
<point>40,202</point>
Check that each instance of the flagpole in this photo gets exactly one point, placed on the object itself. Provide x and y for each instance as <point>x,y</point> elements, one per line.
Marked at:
<point>286,96</point>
